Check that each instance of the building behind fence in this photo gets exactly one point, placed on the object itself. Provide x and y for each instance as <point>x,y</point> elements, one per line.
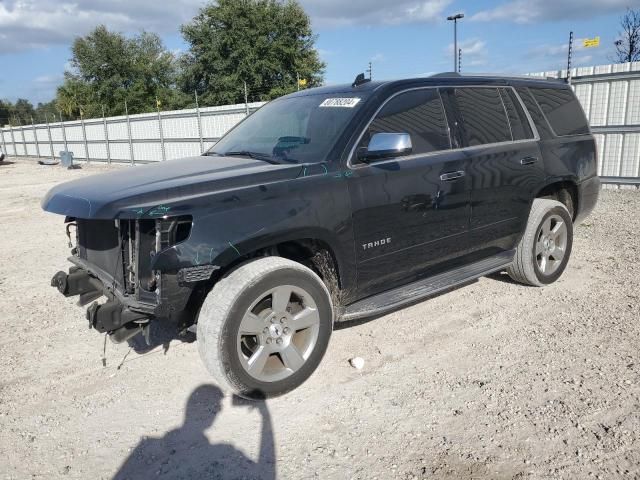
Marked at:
<point>610,96</point>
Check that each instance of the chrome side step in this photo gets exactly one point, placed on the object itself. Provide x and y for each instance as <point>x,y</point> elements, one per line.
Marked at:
<point>394,299</point>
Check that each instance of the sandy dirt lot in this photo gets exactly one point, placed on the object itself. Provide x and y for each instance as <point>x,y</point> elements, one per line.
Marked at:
<point>493,380</point>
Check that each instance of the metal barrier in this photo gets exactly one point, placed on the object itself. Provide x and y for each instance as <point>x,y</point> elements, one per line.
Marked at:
<point>141,138</point>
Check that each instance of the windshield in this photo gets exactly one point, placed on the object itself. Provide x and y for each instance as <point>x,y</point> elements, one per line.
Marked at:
<point>291,130</point>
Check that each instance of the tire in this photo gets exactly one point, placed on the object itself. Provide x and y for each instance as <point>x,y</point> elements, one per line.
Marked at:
<point>545,248</point>
<point>254,347</point>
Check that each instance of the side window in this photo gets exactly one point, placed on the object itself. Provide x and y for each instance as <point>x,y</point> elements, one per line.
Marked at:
<point>418,113</point>
<point>535,112</point>
<point>520,128</point>
<point>562,109</point>
<point>483,117</point>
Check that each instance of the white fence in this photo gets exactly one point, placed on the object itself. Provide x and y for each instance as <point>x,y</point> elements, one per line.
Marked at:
<point>610,95</point>
<point>142,138</point>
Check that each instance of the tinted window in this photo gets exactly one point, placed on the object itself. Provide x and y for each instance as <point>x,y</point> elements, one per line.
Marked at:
<point>483,116</point>
<point>562,109</point>
<point>534,111</point>
<point>418,113</point>
<point>520,128</point>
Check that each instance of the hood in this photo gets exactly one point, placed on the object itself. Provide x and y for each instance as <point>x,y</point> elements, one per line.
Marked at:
<point>132,192</point>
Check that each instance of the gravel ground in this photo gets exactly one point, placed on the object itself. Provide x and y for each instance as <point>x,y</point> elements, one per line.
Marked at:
<point>493,380</point>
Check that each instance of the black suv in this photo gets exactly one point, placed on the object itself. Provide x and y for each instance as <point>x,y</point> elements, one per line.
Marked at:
<point>331,204</point>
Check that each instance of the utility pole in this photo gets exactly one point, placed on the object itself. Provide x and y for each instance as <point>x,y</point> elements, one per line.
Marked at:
<point>131,155</point>
<point>246,99</point>
<point>35,137</point>
<point>164,152</point>
<point>455,19</point>
<point>370,71</point>
<point>199,123</point>
<point>569,57</point>
<point>459,60</point>
<point>106,136</point>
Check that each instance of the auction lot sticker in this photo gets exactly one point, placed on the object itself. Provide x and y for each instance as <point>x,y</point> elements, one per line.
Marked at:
<point>340,102</point>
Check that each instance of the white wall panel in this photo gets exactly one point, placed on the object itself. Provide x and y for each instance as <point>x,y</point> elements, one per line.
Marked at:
<point>97,151</point>
<point>117,130</point>
<point>600,143</point>
<point>95,131</point>
<point>630,165</point>
<point>633,105</point>
<point>120,151</point>
<point>617,109</point>
<point>612,155</point>
<point>182,149</point>
<point>599,103</point>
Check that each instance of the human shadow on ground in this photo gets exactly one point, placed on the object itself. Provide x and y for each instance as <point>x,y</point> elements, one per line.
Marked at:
<point>185,453</point>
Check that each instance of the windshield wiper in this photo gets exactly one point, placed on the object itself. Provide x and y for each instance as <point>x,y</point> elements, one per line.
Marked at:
<point>254,155</point>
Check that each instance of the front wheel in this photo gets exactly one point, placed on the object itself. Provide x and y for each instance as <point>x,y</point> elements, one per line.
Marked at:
<point>545,247</point>
<point>264,328</point>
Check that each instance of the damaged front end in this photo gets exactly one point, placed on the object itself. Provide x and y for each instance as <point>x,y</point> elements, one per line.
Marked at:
<point>114,259</point>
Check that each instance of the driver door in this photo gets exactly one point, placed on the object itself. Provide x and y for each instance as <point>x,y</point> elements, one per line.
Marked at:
<point>411,209</point>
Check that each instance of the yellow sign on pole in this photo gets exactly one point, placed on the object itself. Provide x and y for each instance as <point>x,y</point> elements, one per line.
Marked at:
<point>591,42</point>
<point>302,82</point>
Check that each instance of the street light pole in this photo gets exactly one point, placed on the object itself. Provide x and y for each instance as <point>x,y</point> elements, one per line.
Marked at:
<point>455,19</point>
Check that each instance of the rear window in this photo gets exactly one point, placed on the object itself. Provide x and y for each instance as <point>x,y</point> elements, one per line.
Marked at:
<point>562,109</point>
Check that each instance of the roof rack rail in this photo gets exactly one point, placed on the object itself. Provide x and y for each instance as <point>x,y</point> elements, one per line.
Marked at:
<point>446,74</point>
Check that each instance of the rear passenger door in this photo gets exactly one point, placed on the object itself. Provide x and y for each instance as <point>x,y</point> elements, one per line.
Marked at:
<point>504,168</point>
<point>410,212</point>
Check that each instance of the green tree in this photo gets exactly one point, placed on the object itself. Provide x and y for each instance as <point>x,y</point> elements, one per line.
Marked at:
<point>48,110</point>
<point>265,43</point>
<point>6,107</point>
<point>18,113</point>
<point>109,68</point>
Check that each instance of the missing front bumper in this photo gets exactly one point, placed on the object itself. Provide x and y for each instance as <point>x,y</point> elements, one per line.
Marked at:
<point>111,316</point>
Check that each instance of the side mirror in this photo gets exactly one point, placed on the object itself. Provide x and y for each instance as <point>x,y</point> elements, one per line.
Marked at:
<point>386,145</point>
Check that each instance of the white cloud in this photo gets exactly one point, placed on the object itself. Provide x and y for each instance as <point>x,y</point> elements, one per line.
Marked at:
<point>373,12</point>
<point>530,11</point>
<point>26,24</point>
<point>474,52</point>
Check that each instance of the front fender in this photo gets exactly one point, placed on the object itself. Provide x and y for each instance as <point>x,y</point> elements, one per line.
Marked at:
<point>220,237</point>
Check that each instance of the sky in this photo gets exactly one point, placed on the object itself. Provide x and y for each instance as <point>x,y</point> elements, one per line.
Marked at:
<point>402,38</point>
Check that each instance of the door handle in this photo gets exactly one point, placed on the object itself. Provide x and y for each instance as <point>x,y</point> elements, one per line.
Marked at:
<point>447,177</point>
<point>528,160</point>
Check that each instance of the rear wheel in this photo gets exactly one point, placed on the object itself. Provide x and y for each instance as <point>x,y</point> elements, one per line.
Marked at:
<point>264,328</point>
<point>545,248</point>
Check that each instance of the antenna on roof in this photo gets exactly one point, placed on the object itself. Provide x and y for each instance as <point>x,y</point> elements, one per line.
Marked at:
<point>360,79</point>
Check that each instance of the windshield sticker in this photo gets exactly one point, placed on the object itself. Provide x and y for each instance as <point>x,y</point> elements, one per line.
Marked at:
<point>340,102</point>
